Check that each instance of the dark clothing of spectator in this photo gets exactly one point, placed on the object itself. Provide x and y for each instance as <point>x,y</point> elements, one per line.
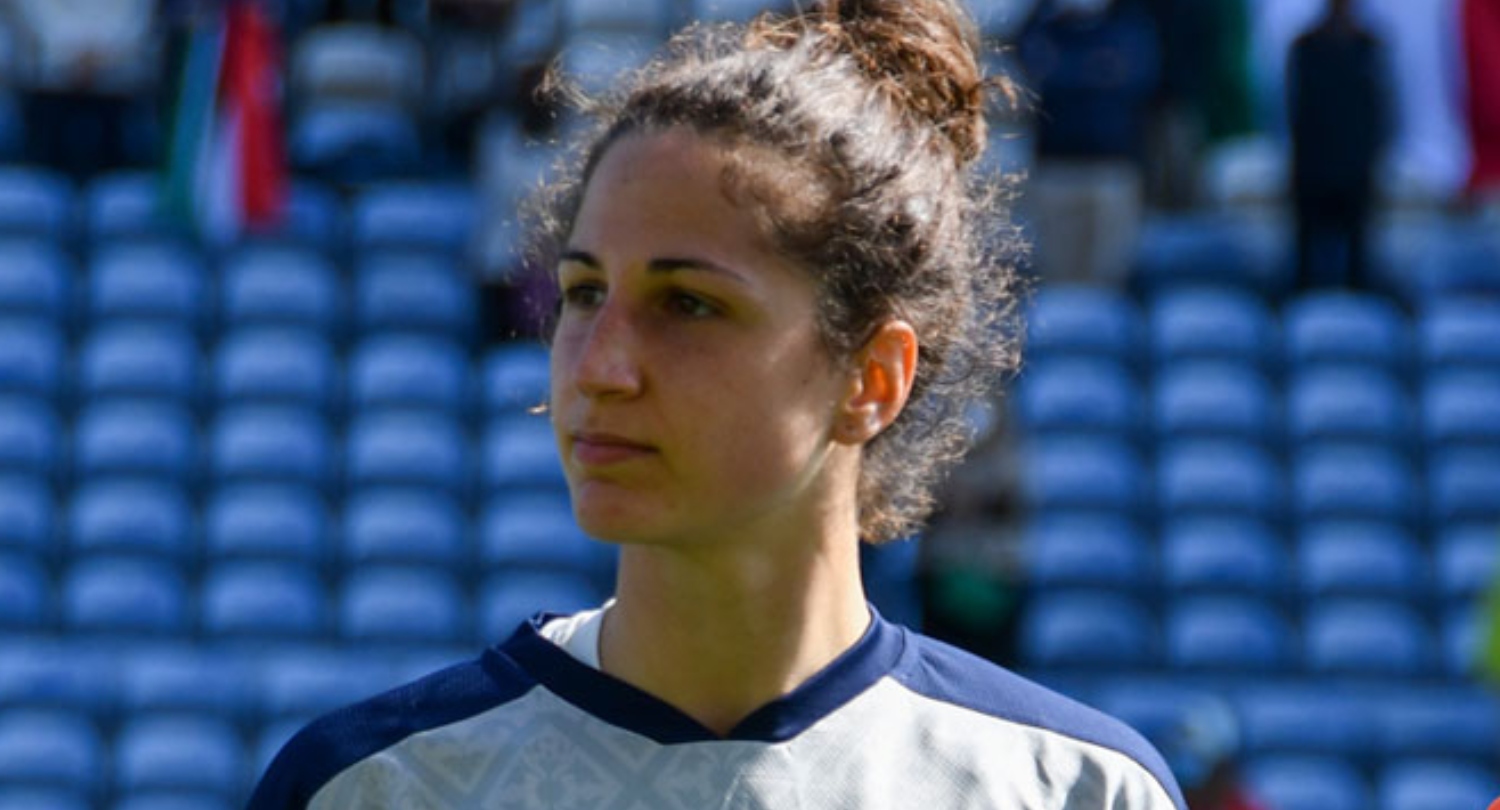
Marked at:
<point>1096,73</point>
<point>1338,113</point>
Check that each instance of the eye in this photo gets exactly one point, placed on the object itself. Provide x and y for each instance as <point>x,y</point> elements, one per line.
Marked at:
<point>583,295</point>
<point>691,305</point>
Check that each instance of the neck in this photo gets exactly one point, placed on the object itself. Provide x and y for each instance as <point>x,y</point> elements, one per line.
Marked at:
<point>719,634</point>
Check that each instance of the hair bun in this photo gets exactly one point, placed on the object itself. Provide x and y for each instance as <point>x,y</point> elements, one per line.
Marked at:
<point>923,54</point>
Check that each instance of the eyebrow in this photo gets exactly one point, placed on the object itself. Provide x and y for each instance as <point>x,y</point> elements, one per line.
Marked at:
<point>663,265</point>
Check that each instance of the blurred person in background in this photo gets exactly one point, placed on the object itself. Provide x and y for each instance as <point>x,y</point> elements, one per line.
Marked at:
<point>1095,66</point>
<point>87,72</point>
<point>1203,749</point>
<point>1338,112</point>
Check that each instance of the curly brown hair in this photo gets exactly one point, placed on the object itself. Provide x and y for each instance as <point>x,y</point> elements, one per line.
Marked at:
<point>857,126</point>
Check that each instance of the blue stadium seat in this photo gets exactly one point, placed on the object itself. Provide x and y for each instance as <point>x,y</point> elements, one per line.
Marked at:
<point>1218,476</point>
<point>36,201</point>
<point>1087,629</point>
<point>1083,320</point>
<point>1228,634</point>
<point>313,217</point>
<point>1073,472</point>
<point>1214,399</point>
<point>124,204</point>
<point>1343,327</point>
<point>414,448</point>
<point>27,510</point>
<point>1466,561</point>
<point>508,598</point>
<point>652,17</point>
<point>271,443</point>
<point>58,671</point>
<point>1463,485</point>
<point>147,280</point>
<point>396,370</point>
<point>520,453</point>
<point>1086,550</point>
<point>50,748</point>
<point>32,357</point>
<point>350,142</point>
<point>404,525</point>
<point>299,683</point>
<point>411,292</point>
<point>1465,261</point>
<point>1211,323</point>
<point>131,516</point>
<point>402,604</point>
<point>178,752</point>
<point>1462,632</point>
<point>1460,723</point>
<point>1077,395</point>
<point>1461,408</point>
<point>171,800</point>
<point>26,594</point>
<point>535,530</point>
<point>1308,783</point>
<point>133,359</point>
<point>1360,558</point>
<point>283,285</point>
<point>435,216</point>
<point>261,599</point>
<point>1349,636</point>
<point>1459,331</point>
<point>1206,247</point>
<point>110,595</point>
<point>596,59</point>
<point>267,521</point>
<point>1306,717</point>
<point>30,437</point>
<point>729,10</point>
<point>290,366</point>
<point>1369,482</point>
<point>44,798</point>
<point>1420,784</point>
<point>35,280</point>
<point>183,677</point>
<point>132,437</point>
<point>515,377</point>
<point>1348,403</point>
<point>1223,554</point>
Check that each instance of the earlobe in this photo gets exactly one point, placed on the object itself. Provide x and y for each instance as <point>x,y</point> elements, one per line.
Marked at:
<point>883,373</point>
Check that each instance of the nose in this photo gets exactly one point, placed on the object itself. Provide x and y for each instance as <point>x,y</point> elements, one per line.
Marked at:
<point>605,361</point>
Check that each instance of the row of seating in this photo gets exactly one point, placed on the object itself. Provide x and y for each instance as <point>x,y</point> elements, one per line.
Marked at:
<point>1089,630</point>
<point>1221,554</point>
<point>410,604</point>
<point>1207,321</point>
<point>255,285</point>
<point>267,365</point>
<point>1316,402</point>
<point>1083,473</point>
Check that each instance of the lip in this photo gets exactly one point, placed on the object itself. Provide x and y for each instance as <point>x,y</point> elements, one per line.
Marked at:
<point>595,448</point>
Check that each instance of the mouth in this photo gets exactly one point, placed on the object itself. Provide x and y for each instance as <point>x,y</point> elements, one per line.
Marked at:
<point>599,449</point>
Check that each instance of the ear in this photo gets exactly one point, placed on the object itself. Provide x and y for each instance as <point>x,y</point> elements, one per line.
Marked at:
<point>880,383</point>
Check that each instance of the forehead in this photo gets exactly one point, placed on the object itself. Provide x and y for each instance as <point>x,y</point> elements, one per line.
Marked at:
<point>678,181</point>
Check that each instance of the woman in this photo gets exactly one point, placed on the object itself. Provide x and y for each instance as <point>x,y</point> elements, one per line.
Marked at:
<point>780,292</point>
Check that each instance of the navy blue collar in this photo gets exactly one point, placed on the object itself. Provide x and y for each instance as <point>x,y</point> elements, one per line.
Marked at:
<point>618,703</point>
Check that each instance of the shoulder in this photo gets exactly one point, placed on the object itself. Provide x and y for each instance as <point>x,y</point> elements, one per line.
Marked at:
<point>339,740</point>
<point>946,675</point>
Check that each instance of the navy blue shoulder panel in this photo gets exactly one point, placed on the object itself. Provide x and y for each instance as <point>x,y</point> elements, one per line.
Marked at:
<point>942,672</point>
<point>332,743</point>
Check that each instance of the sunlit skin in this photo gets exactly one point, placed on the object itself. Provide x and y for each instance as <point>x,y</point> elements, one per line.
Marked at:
<point>705,428</point>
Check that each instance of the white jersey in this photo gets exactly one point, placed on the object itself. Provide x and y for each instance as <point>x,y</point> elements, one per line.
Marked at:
<point>898,721</point>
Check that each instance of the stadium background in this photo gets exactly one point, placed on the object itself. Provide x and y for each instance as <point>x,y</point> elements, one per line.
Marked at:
<point>250,472</point>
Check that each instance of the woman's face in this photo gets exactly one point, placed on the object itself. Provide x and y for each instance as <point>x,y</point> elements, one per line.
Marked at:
<point>692,397</point>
